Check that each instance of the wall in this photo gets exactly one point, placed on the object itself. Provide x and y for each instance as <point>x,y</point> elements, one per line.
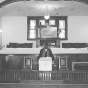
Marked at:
<point>13,20</point>
<point>0,30</point>
<point>77,29</point>
<point>14,30</point>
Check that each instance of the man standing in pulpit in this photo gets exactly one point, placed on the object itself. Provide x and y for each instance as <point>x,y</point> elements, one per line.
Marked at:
<point>46,59</point>
<point>46,52</point>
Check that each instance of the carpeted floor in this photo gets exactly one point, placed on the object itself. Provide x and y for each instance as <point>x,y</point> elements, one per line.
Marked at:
<point>26,85</point>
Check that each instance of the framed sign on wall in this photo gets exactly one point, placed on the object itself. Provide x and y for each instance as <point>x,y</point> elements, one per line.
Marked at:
<point>77,66</point>
<point>49,32</point>
<point>27,62</point>
<point>62,62</point>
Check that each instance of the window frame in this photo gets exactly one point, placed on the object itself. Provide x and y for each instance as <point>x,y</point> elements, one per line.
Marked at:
<point>38,18</point>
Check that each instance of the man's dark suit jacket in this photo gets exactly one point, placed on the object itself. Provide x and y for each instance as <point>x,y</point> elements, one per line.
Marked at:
<point>50,54</point>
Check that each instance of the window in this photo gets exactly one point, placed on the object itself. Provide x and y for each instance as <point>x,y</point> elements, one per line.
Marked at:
<point>32,24</point>
<point>32,29</point>
<point>62,34</point>
<point>32,34</point>
<point>61,24</point>
<point>61,29</point>
<point>37,25</point>
<point>42,22</point>
<point>51,22</point>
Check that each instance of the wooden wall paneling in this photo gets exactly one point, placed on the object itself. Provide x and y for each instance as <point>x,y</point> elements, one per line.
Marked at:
<point>4,64</point>
<point>34,62</point>
<point>57,62</point>
<point>16,62</point>
<point>69,62</point>
<point>21,63</point>
<point>1,56</point>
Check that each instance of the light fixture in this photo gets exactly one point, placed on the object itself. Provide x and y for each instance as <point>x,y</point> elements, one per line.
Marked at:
<point>24,1</point>
<point>0,30</point>
<point>46,13</point>
<point>46,16</point>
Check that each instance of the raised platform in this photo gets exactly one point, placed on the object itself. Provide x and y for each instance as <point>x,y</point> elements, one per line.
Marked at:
<point>45,82</point>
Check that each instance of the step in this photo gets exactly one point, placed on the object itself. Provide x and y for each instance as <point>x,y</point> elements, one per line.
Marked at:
<point>41,82</point>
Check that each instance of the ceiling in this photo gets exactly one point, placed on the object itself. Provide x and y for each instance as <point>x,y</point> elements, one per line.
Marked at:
<point>40,7</point>
<point>6,2</point>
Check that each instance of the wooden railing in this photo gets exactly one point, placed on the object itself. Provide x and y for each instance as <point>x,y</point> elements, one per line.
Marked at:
<point>66,76</point>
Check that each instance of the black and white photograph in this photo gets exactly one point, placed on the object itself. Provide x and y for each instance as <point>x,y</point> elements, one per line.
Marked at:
<point>43,43</point>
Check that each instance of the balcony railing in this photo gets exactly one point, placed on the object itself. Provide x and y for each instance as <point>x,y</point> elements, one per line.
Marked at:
<point>65,76</point>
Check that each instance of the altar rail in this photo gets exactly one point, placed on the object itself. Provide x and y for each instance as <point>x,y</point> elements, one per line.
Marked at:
<point>65,76</point>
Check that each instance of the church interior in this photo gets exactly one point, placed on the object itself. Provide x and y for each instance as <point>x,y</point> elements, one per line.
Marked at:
<point>26,25</point>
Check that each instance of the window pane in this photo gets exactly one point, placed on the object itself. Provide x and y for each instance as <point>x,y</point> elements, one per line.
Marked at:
<point>32,33</point>
<point>62,34</point>
<point>61,24</point>
<point>51,22</point>
<point>32,24</point>
<point>42,22</point>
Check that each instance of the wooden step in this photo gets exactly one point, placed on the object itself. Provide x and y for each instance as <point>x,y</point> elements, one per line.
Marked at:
<point>41,82</point>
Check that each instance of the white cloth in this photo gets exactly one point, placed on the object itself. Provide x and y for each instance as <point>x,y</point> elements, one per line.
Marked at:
<point>45,64</point>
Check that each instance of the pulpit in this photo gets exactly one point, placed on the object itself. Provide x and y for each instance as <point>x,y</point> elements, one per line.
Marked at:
<point>45,64</point>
